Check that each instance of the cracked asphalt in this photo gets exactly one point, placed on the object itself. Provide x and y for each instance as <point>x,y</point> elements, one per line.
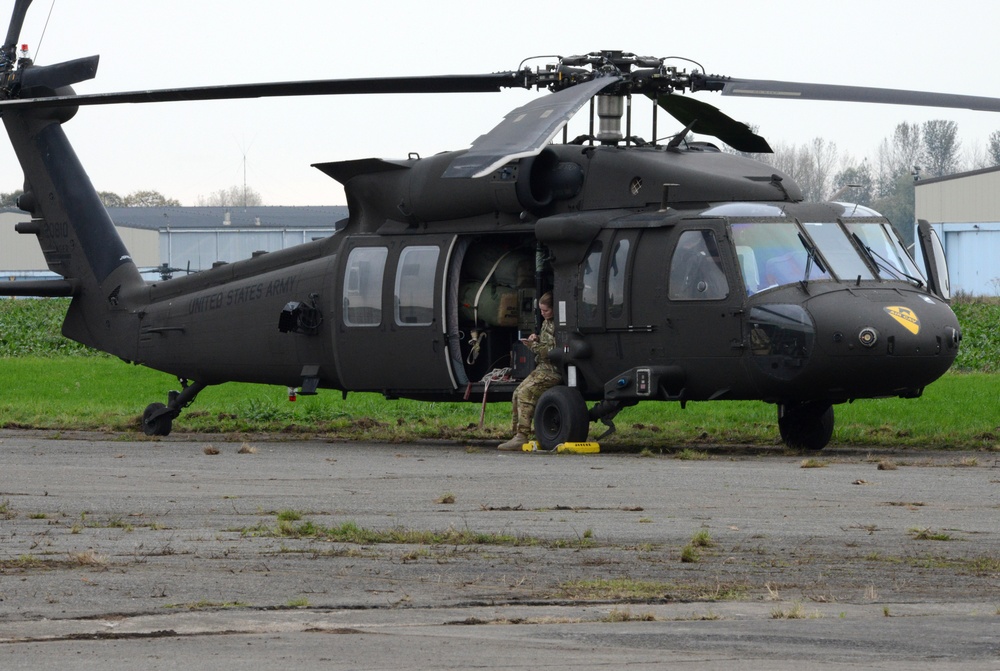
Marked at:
<point>117,552</point>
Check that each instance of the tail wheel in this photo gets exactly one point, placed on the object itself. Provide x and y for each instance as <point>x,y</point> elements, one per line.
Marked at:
<point>561,417</point>
<point>155,422</point>
<point>805,426</point>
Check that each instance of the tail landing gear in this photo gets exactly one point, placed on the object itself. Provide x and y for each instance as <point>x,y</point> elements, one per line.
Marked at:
<point>606,411</point>
<point>158,419</point>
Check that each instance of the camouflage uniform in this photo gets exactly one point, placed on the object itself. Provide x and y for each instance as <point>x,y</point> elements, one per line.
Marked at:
<point>544,376</point>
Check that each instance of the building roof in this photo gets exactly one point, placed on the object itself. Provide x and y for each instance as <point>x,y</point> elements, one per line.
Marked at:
<point>957,175</point>
<point>160,218</point>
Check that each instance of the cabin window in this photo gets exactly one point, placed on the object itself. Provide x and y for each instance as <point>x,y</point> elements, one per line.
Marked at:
<point>414,293</point>
<point>616,279</point>
<point>363,286</point>
<point>696,270</point>
<point>590,278</point>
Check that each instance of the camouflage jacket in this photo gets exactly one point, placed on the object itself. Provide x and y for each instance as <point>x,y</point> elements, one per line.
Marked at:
<point>541,347</point>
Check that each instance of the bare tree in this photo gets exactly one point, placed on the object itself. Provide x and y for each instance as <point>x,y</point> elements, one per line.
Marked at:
<point>941,147</point>
<point>9,199</point>
<point>898,155</point>
<point>855,184</point>
<point>975,157</point>
<point>993,148</point>
<point>822,159</point>
<point>149,199</point>
<point>234,196</point>
<point>811,165</point>
<point>111,199</point>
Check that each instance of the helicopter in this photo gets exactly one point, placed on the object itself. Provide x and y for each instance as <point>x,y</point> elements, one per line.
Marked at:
<point>681,273</point>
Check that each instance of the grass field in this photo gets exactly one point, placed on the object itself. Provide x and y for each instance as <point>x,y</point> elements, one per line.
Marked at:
<point>962,410</point>
<point>48,382</point>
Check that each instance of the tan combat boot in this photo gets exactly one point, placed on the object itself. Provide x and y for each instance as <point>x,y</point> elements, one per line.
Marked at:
<point>514,444</point>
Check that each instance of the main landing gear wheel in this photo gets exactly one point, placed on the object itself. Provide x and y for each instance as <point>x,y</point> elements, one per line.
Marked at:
<point>561,417</point>
<point>805,426</point>
<point>156,420</point>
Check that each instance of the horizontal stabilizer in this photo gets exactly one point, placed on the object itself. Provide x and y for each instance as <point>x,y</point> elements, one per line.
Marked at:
<point>39,288</point>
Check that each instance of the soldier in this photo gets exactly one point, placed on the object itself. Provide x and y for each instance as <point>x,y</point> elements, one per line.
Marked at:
<point>544,376</point>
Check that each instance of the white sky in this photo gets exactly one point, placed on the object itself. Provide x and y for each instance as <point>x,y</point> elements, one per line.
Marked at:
<point>189,149</point>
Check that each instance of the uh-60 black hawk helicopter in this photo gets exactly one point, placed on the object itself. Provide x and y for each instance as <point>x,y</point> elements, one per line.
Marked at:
<point>680,272</point>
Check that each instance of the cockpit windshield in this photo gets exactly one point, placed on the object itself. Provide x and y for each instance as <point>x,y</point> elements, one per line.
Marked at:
<point>838,250</point>
<point>887,252</point>
<point>772,254</point>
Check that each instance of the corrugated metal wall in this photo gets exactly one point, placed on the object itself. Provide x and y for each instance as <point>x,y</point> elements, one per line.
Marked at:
<point>966,212</point>
<point>970,198</point>
<point>178,248</point>
<point>21,254</point>
<point>199,249</point>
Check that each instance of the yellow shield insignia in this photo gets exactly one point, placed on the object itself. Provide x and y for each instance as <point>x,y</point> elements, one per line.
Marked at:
<point>905,316</point>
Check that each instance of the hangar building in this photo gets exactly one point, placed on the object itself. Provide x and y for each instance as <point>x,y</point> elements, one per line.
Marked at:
<point>965,210</point>
<point>181,237</point>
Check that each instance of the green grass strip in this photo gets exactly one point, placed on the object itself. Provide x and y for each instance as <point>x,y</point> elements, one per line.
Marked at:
<point>66,393</point>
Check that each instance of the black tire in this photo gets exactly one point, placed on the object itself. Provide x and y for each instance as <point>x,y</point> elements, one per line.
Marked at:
<point>156,426</point>
<point>805,426</point>
<point>561,417</point>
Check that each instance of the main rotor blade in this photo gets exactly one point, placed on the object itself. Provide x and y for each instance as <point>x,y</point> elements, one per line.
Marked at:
<point>526,130</point>
<point>483,83</point>
<point>708,120</point>
<point>763,88</point>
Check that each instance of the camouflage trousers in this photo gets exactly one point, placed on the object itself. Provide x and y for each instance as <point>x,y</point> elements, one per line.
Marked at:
<point>526,397</point>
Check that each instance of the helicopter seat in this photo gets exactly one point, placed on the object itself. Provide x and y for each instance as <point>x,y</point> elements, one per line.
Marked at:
<point>748,265</point>
<point>785,269</point>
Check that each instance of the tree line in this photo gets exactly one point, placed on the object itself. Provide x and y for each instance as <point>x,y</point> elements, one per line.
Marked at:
<point>884,181</point>
<point>234,196</point>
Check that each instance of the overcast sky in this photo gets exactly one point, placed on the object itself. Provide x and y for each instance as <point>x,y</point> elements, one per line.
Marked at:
<point>187,150</point>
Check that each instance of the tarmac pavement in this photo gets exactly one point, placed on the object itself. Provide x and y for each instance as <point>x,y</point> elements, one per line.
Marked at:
<point>121,552</point>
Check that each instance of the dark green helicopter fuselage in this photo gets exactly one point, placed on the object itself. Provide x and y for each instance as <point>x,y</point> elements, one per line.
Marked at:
<point>679,273</point>
<point>613,236</point>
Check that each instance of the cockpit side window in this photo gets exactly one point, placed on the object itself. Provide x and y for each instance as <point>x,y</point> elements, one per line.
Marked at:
<point>696,270</point>
<point>590,290</point>
<point>616,279</point>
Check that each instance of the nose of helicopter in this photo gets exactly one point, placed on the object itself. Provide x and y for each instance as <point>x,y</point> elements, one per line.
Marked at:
<point>855,343</point>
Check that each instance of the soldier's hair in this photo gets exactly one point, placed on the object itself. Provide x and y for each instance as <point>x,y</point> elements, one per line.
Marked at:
<point>546,299</point>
